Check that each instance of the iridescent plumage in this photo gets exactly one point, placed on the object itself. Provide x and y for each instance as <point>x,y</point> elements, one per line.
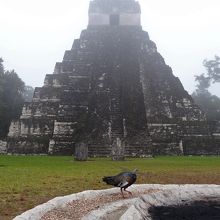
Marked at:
<point>122,180</point>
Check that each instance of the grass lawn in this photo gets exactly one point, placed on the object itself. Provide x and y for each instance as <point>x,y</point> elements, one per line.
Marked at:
<point>26,181</point>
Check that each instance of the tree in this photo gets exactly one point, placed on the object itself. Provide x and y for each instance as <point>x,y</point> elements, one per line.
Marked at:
<point>204,83</point>
<point>213,69</point>
<point>211,76</point>
<point>11,100</point>
<point>208,102</point>
<point>1,67</point>
<point>1,77</point>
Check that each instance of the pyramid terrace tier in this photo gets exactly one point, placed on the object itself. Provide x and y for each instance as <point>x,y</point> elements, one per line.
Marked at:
<point>113,91</point>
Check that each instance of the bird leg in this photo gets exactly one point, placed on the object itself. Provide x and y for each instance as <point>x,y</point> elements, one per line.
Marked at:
<point>122,193</point>
<point>128,192</point>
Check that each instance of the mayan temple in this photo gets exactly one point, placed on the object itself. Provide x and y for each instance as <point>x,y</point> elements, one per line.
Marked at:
<point>114,92</point>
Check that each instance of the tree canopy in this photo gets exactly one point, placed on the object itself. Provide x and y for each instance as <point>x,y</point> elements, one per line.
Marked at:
<point>1,67</point>
<point>12,90</point>
<point>208,102</point>
<point>211,76</point>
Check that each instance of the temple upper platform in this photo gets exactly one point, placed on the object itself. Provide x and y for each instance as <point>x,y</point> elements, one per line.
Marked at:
<point>114,13</point>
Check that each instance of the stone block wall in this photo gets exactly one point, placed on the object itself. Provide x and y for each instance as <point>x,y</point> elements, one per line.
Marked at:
<point>27,145</point>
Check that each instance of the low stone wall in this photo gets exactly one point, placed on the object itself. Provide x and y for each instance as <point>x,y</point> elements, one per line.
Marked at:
<point>27,145</point>
<point>3,147</point>
<point>185,138</point>
<point>201,145</point>
<point>132,208</point>
<point>167,196</point>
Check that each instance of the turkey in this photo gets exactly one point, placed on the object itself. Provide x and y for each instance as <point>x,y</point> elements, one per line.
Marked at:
<point>122,180</point>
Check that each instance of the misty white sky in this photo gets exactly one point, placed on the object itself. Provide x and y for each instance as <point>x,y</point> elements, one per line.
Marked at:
<point>35,33</point>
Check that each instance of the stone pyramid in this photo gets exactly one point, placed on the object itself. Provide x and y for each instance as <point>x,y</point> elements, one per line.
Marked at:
<point>114,92</point>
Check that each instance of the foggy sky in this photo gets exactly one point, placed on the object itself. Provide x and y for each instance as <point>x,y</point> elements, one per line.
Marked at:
<point>35,33</point>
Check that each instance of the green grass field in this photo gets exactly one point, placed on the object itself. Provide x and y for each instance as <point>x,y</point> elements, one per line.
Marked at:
<point>26,181</point>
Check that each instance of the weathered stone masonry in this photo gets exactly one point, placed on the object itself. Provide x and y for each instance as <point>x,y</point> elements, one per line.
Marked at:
<point>113,89</point>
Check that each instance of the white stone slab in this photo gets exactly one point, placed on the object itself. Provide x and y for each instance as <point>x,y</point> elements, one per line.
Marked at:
<point>135,208</point>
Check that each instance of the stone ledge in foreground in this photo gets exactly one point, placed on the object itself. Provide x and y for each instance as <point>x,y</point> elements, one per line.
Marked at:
<point>148,206</point>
